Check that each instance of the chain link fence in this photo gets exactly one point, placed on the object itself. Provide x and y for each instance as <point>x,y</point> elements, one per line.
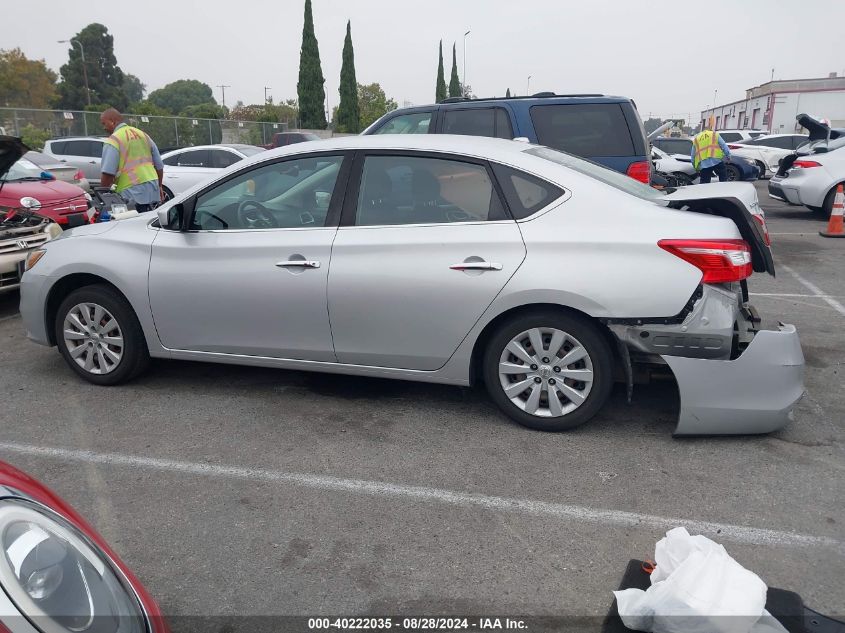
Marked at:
<point>168,132</point>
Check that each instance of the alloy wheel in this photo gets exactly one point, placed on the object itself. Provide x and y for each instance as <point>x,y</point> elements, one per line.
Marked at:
<point>546,372</point>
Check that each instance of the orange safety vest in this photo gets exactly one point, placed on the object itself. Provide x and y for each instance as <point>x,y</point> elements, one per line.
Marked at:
<point>706,145</point>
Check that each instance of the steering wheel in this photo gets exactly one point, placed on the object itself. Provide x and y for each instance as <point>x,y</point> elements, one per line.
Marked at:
<point>254,215</point>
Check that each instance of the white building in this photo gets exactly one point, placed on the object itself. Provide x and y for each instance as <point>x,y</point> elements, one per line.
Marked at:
<point>774,105</point>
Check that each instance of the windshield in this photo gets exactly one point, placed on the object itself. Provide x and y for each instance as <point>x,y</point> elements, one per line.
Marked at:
<point>23,169</point>
<point>599,172</point>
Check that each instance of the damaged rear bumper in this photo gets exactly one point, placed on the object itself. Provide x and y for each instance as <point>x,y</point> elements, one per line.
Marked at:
<point>755,393</point>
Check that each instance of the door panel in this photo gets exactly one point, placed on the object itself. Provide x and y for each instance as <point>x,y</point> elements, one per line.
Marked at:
<point>394,301</point>
<point>222,291</point>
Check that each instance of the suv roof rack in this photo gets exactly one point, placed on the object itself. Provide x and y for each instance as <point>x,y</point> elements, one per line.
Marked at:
<point>537,95</point>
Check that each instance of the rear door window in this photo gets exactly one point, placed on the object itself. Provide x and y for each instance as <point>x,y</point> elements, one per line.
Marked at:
<point>524,193</point>
<point>588,130</point>
<point>91,149</point>
<point>492,122</point>
<point>414,123</point>
<point>57,147</point>
<point>730,137</point>
<point>195,158</point>
<point>221,158</point>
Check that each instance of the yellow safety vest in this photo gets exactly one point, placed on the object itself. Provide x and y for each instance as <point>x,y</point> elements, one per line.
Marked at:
<point>136,159</point>
<point>706,146</point>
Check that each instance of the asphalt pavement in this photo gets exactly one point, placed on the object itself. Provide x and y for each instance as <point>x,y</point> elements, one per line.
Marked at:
<point>244,491</point>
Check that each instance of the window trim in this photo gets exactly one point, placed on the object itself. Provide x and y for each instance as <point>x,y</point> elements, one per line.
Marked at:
<point>332,217</point>
<point>350,203</point>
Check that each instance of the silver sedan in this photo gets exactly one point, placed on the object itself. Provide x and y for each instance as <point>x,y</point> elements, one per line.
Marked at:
<point>456,260</point>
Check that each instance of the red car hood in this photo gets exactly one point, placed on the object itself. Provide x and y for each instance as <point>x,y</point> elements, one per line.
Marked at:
<point>45,191</point>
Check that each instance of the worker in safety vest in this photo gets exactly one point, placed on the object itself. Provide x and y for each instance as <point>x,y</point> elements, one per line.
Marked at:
<point>131,161</point>
<point>710,153</point>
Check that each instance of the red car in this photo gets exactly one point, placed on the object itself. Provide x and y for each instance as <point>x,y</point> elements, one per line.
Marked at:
<point>62,202</point>
<point>58,573</point>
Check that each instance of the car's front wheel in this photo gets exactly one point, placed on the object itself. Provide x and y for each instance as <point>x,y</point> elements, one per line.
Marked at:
<point>548,370</point>
<point>100,337</point>
<point>733,173</point>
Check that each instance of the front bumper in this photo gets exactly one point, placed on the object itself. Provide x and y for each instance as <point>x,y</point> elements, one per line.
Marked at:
<point>754,393</point>
<point>34,289</point>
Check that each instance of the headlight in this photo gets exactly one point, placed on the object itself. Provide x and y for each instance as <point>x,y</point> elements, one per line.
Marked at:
<point>58,579</point>
<point>33,258</point>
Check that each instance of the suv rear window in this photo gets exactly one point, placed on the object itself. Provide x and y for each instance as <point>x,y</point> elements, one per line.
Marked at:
<point>730,137</point>
<point>596,129</point>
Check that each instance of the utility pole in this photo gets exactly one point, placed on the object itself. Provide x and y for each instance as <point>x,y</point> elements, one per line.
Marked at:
<point>266,88</point>
<point>223,89</point>
<point>528,86</point>
<point>76,42</point>
<point>464,91</point>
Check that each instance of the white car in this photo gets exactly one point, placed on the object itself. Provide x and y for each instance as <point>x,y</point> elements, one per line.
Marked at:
<point>677,165</point>
<point>740,136</point>
<point>767,151</point>
<point>435,258</point>
<point>811,179</point>
<point>82,152</point>
<point>184,168</point>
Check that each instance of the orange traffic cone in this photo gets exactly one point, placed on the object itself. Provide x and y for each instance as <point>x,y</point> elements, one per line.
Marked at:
<point>835,227</point>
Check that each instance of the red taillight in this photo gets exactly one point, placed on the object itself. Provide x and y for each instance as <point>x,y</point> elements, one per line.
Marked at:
<point>761,220</point>
<point>640,171</point>
<point>720,260</point>
<point>806,164</point>
<point>79,175</point>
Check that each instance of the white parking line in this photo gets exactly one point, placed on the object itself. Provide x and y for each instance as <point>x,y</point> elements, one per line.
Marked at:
<point>818,292</point>
<point>618,518</point>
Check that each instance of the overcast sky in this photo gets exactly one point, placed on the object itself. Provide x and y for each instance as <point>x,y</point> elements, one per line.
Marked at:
<point>668,56</point>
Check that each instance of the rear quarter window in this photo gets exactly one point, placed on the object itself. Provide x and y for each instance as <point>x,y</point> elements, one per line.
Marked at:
<point>524,193</point>
<point>588,130</point>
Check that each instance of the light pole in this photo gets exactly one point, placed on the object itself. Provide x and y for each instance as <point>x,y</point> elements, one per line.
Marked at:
<point>223,90</point>
<point>464,85</point>
<point>528,86</point>
<point>266,88</point>
<point>84,68</point>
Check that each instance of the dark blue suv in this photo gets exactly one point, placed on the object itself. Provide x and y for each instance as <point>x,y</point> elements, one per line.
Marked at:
<point>607,130</point>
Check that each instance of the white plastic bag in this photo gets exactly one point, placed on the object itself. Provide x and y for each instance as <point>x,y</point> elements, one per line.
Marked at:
<point>696,587</point>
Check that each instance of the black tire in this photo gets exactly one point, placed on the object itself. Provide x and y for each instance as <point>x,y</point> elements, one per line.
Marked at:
<point>761,167</point>
<point>135,358</point>
<point>733,173</point>
<point>168,195</point>
<point>587,334</point>
<point>827,206</point>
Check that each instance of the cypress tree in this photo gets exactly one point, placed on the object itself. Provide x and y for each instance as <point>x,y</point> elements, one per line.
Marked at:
<point>348,118</point>
<point>508,93</point>
<point>310,89</point>
<point>454,82</point>
<point>440,91</point>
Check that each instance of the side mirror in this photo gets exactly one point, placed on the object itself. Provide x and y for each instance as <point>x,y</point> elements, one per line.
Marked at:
<point>170,217</point>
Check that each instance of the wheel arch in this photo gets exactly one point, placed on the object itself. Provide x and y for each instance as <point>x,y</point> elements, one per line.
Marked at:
<point>480,345</point>
<point>63,287</point>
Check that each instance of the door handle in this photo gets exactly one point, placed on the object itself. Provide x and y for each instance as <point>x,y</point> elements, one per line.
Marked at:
<point>298,263</point>
<point>476,266</point>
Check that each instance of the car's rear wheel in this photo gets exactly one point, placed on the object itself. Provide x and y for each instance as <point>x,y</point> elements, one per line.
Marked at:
<point>827,205</point>
<point>168,195</point>
<point>761,167</point>
<point>100,337</point>
<point>548,370</point>
<point>733,172</point>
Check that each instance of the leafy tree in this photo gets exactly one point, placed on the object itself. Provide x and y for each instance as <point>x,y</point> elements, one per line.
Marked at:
<point>652,124</point>
<point>178,95</point>
<point>348,117</point>
<point>373,103</point>
<point>133,88</point>
<point>309,88</point>
<point>440,90</point>
<point>466,91</point>
<point>204,111</point>
<point>25,82</point>
<point>508,93</point>
<point>34,137</point>
<point>454,82</point>
<point>105,78</point>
